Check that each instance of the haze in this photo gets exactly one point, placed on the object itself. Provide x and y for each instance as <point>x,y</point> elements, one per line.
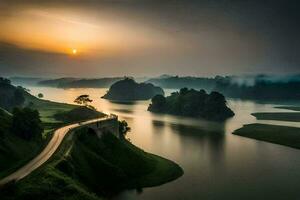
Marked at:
<point>147,38</point>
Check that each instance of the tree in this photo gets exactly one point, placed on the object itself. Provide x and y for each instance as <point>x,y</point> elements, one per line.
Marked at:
<point>4,81</point>
<point>18,97</point>
<point>158,103</point>
<point>40,95</point>
<point>26,123</point>
<point>123,127</point>
<point>83,100</point>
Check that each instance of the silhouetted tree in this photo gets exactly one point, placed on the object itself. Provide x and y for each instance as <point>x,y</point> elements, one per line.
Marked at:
<point>123,127</point>
<point>4,81</point>
<point>83,100</point>
<point>40,95</point>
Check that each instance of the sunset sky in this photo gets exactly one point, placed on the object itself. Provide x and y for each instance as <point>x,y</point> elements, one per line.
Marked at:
<point>148,37</point>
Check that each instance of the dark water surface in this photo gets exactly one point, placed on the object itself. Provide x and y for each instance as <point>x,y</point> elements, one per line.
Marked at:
<point>217,164</point>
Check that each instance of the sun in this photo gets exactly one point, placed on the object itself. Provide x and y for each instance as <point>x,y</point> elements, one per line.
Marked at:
<point>74,51</point>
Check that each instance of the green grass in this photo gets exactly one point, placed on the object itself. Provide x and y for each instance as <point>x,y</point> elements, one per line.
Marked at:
<point>14,151</point>
<point>109,165</point>
<point>87,168</point>
<point>284,135</point>
<point>294,108</point>
<point>80,113</point>
<point>279,116</point>
<point>48,182</point>
<point>48,109</point>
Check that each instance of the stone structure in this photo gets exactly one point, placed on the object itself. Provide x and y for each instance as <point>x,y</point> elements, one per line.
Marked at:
<point>104,125</point>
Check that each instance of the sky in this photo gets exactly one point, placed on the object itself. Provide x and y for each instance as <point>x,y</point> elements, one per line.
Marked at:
<point>148,37</point>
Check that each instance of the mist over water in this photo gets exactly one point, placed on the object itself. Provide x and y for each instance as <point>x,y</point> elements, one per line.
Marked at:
<point>217,164</point>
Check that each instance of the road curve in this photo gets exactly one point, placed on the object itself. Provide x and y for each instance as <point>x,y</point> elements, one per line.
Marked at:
<point>48,151</point>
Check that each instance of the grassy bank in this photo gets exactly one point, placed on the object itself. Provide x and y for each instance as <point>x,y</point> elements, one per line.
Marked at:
<point>294,108</point>
<point>284,135</point>
<point>279,116</point>
<point>15,151</point>
<point>86,167</point>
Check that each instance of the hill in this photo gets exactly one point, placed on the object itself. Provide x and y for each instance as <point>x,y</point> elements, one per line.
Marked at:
<point>78,114</point>
<point>129,90</point>
<point>192,103</point>
<point>87,168</point>
<point>32,81</point>
<point>80,83</point>
<point>15,151</point>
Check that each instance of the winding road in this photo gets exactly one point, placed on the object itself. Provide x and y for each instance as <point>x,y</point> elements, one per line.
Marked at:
<point>48,151</point>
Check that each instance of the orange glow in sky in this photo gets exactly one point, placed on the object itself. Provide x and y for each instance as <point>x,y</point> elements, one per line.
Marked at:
<point>74,51</point>
<point>59,30</point>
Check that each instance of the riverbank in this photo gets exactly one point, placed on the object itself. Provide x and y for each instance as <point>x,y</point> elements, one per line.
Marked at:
<point>283,135</point>
<point>294,108</point>
<point>278,116</point>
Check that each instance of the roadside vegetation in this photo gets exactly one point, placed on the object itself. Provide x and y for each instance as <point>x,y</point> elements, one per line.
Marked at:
<point>284,135</point>
<point>27,124</point>
<point>20,138</point>
<point>86,167</point>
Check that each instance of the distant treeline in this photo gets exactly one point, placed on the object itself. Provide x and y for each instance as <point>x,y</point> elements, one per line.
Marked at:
<point>257,87</point>
<point>260,87</point>
<point>80,83</point>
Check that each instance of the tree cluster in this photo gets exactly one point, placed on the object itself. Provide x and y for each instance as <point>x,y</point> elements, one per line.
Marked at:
<point>26,123</point>
<point>129,90</point>
<point>123,127</point>
<point>192,103</point>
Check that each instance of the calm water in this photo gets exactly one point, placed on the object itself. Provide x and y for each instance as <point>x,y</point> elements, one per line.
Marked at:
<point>217,164</point>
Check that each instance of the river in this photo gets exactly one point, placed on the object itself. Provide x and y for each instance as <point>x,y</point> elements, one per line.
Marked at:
<point>216,163</point>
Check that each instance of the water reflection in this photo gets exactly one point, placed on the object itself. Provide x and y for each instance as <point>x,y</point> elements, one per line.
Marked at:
<point>127,111</point>
<point>206,140</point>
<point>124,102</point>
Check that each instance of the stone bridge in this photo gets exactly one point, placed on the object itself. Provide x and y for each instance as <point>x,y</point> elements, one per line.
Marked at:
<point>106,124</point>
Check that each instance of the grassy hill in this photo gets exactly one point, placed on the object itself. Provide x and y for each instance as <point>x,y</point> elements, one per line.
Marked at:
<point>87,167</point>
<point>78,114</point>
<point>14,151</point>
<point>129,90</point>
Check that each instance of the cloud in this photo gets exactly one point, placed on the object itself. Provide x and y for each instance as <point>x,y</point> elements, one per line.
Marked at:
<point>182,37</point>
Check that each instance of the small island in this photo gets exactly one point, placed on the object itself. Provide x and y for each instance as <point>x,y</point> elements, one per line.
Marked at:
<point>192,103</point>
<point>129,90</point>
